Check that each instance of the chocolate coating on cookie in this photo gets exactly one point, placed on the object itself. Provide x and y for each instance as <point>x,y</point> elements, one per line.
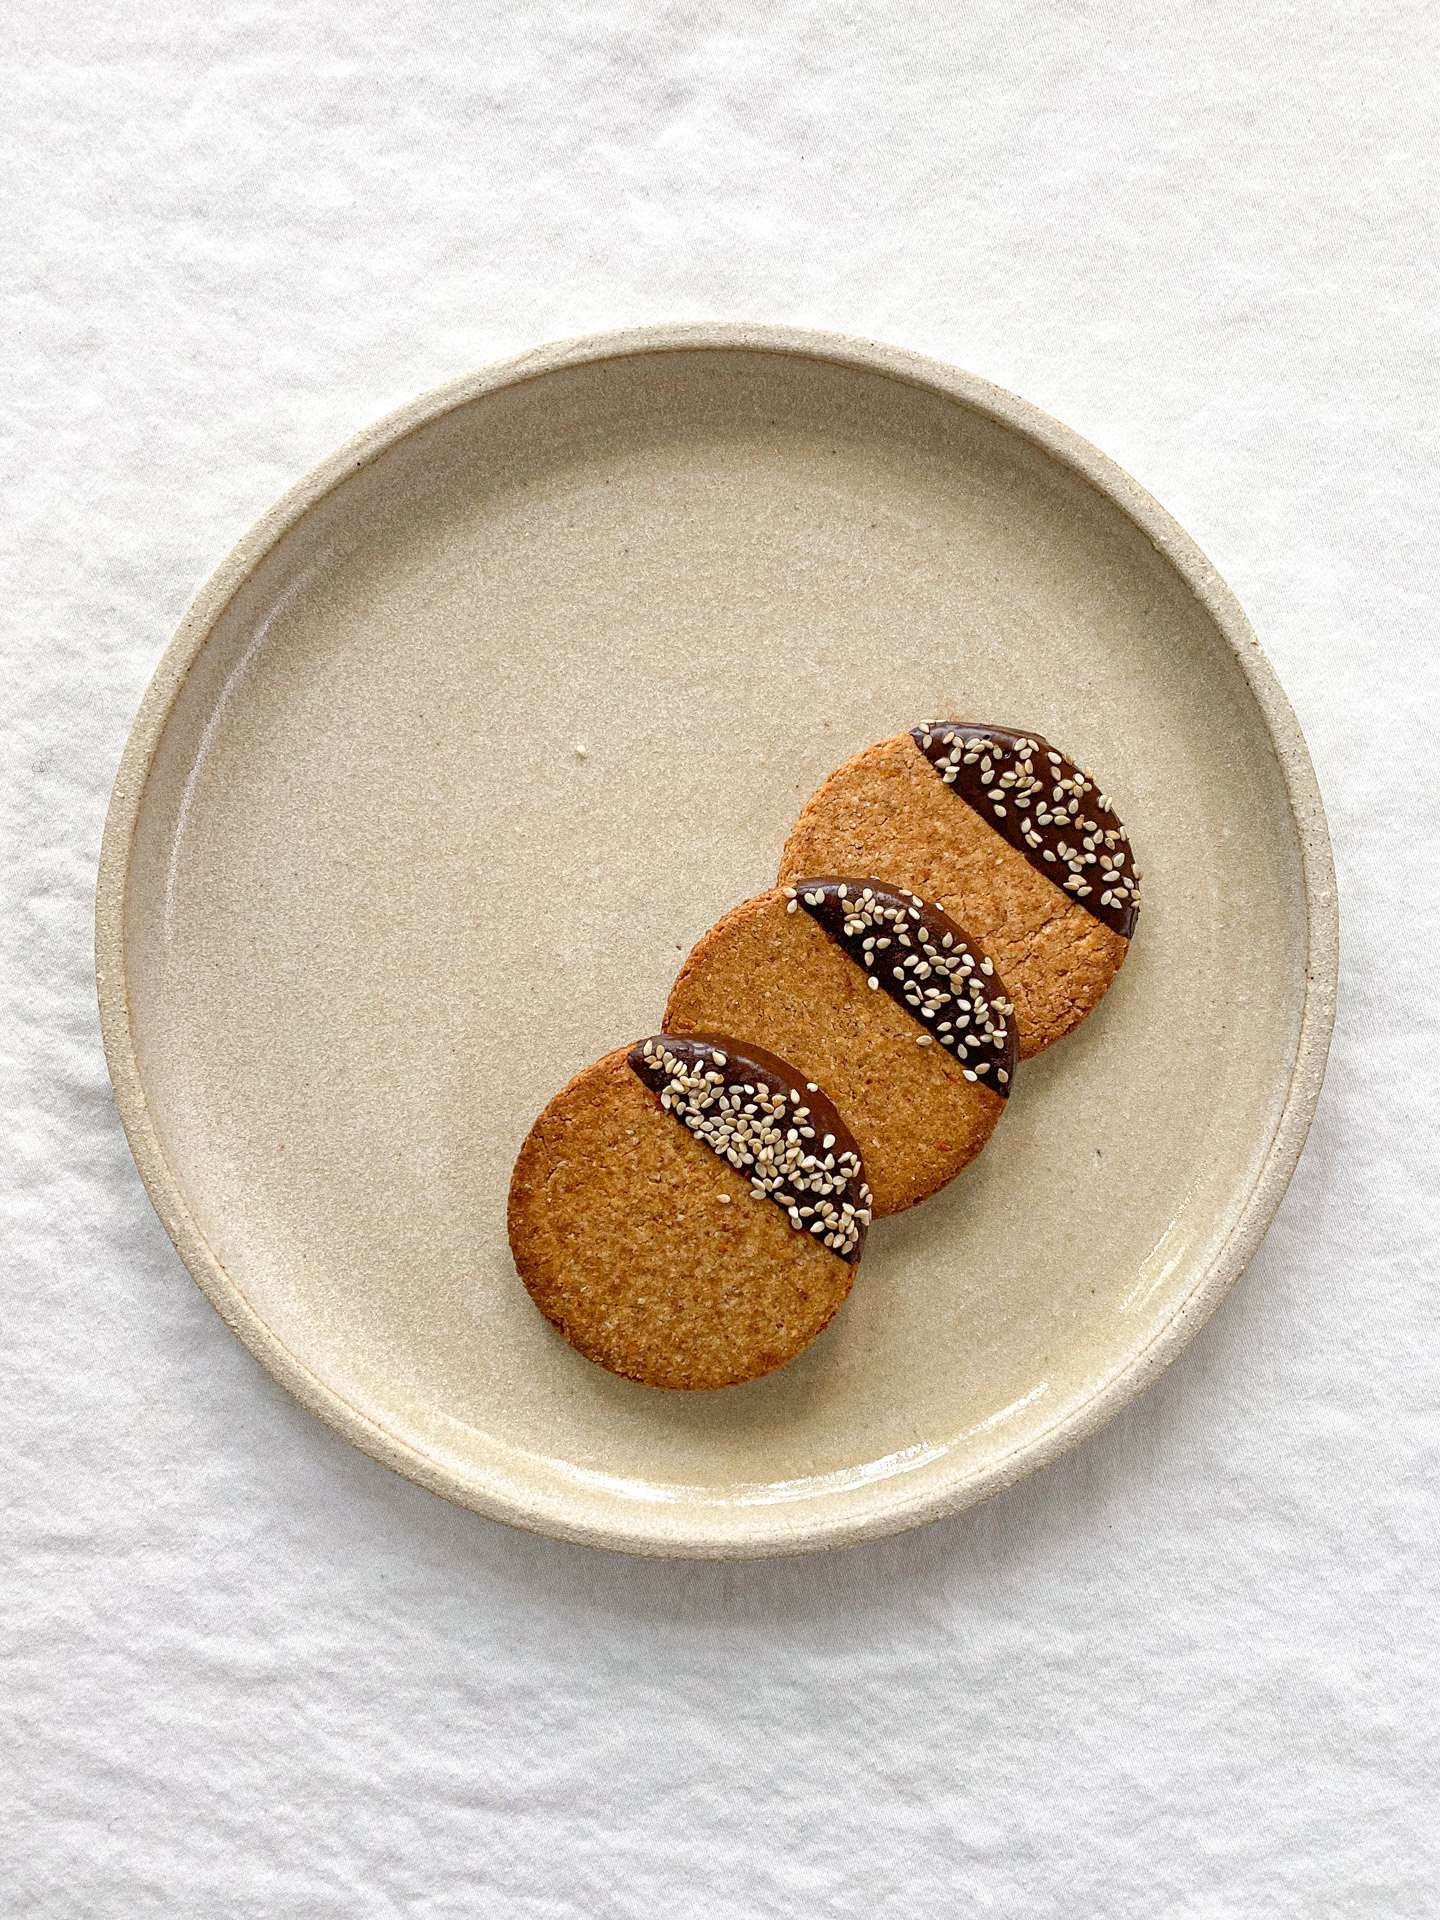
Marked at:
<point>773,1126</point>
<point>926,964</point>
<point>1047,808</point>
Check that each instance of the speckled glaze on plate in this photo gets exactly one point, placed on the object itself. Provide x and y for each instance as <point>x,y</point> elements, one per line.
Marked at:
<point>492,715</point>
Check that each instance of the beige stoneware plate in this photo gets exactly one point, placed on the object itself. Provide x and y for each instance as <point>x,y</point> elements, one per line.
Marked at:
<point>505,703</point>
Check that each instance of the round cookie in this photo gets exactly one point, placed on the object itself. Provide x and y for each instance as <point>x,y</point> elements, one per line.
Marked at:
<point>1010,837</point>
<point>883,1001</point>
<point>689,1212</point>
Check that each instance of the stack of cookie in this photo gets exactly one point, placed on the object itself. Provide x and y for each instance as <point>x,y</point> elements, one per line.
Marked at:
<point>690,1211</point>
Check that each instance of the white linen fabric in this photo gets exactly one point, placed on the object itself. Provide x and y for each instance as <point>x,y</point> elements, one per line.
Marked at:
<point>1187,1671</point>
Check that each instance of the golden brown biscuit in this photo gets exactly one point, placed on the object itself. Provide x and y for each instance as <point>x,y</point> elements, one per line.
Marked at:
<point>689,1212</point>
<point>921,811</point>
<point>919,1070</point>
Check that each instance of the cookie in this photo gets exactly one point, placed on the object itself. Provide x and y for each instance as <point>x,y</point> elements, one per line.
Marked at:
<point>1013,840</point>
<point>879,998</point>
<point>689,1212</point>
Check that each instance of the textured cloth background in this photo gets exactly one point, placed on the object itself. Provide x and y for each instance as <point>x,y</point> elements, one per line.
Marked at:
<point>1190,1670</point>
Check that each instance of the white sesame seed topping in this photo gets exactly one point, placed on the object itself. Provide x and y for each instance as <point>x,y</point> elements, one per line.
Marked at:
<point>1047,793</point>
<point>778,1167</point>
<point>933,971</point>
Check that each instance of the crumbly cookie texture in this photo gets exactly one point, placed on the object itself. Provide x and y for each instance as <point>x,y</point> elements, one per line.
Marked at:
<point>886,812</point>
<point>777,978</point>
<point>650,1250</point>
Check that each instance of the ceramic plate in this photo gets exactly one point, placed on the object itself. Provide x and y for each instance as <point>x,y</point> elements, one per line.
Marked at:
<point>492,716</point>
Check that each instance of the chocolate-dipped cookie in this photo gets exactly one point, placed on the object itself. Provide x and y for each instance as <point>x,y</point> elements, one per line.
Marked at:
<point>1014,841</point>
<point>881,999</point>
<point>689,1212</point>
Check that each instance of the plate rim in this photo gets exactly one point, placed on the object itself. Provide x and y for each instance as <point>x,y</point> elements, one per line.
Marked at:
<point>662,1531</point>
